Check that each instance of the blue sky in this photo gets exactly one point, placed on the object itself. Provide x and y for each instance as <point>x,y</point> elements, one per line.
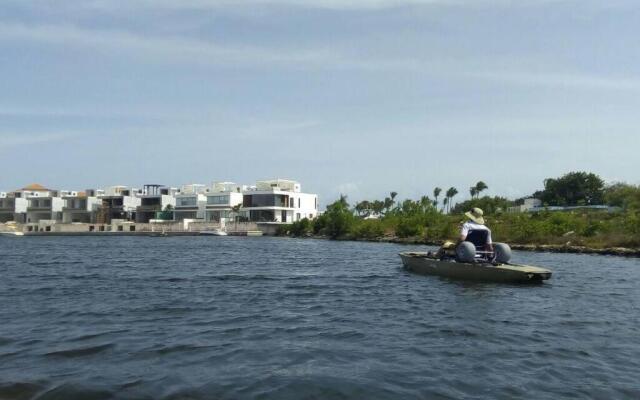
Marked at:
<point>360,97</point>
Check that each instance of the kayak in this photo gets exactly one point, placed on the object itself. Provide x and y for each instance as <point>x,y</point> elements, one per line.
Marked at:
<point>427,264</point>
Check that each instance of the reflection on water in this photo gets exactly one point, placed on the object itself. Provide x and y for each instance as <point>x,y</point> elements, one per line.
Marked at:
<point>225,317</point>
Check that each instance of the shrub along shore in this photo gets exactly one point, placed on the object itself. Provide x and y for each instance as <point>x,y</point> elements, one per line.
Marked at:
<point>581,230</point>
<point>587,232</point>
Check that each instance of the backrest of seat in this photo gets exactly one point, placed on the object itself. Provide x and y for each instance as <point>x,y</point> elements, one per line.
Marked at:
<point>478,238</point>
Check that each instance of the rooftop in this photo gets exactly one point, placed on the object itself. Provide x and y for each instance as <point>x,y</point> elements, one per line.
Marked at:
<point>35,187</point>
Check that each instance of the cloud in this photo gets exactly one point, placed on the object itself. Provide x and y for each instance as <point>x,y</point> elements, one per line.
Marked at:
<point>319,4</point>
<point>571,80</point>
<point>172,49</point>
<point>8,140</point>
<point>322,4</point>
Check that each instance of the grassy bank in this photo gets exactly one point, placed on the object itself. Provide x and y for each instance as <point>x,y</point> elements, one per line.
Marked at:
<point>586,229</point>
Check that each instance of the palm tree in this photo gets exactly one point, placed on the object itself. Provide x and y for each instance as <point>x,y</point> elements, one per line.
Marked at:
<point>444,203</point>
<point>451,193</point>
<point>473,191</point>
<point>481,186</point>
<point>377,206</point>
<point>425,202</point>
<point>436,193</point>
<point>363,209</point>
<point>393,195</point>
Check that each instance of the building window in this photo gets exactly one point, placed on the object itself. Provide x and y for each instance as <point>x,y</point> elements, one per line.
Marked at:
<point>262,216</point>
<point>265,200</point>
<point>217,199</point>
<point>187,201</point>
<point>298,202</point>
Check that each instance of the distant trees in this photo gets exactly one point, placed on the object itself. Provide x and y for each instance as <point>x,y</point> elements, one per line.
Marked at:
<point>489,205</point>
<point>338,219</point>
<point>477,189</point>
<point>572,189</point>
<point>481,187</point>
<point>451,193</point>
<point>623,195</point>
<point>436,193</point>
<point>421,219</point>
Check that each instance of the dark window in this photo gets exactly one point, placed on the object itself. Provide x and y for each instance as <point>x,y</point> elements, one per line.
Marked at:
<point>120,228</point>
<point>152,201</point>
<point>264,200</point>
<point>262,215</point>
<point>92,228</point>
<point>132,228</point>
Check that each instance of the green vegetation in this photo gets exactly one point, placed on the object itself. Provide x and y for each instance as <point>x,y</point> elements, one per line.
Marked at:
<point>166,214</point>
<point>425,221</point>
<point>572,189</point>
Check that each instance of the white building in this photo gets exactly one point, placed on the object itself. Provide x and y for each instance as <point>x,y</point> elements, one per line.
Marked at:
<point>278,201</point>
<point>117,202</point>
<point>529,204</point>
<point>221,199</point>
<point>80,207</point>
<point>44,207</point>
<point>191,202</point>
<point>155,198</point>
<point>12,208</point>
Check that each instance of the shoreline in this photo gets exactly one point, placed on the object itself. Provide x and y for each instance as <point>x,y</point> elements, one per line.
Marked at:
<point>537,248</point>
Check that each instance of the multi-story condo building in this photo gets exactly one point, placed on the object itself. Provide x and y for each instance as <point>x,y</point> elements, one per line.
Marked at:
<point>221,200</point>
<point>45,208</point>
<point>280,201</point>
<point>155,199</point>
<point>80,207</point>
<point>190,202</point>
<point>117,202</point>
<point>12,208</point>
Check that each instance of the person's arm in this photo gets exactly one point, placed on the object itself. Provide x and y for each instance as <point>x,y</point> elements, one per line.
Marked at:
<point>464,231</point>
<point>489,246</point>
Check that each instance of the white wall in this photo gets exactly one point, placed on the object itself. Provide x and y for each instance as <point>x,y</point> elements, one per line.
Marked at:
<point>130,202</point>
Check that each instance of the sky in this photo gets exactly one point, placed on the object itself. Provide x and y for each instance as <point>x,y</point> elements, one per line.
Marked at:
<point>358,97</point>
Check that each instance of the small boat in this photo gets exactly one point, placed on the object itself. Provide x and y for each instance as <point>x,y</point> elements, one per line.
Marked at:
<point>428,264</point>
<point>214,232</point>
<point>11,233</point>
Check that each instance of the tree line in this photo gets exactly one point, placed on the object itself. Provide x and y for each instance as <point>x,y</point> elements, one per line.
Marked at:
<point>436,219</point>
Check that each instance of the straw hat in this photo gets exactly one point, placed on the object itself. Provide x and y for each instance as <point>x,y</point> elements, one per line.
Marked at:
<point>475,215</point>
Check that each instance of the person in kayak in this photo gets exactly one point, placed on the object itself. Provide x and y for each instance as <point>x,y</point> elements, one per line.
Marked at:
<point>473,230</point>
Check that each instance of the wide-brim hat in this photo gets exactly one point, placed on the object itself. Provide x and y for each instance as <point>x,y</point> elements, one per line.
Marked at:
<point>475,215</point>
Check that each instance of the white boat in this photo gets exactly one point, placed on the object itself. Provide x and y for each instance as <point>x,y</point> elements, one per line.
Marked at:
<point>214,232</point>
<point>11,234</point>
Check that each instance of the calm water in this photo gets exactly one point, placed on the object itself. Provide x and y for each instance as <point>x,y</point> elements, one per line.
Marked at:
<point>269,318</point>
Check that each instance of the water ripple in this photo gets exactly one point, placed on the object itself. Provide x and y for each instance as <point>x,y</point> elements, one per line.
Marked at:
<point>267,318</point>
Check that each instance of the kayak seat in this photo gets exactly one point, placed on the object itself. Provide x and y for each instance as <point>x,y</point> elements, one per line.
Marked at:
<point>479,239</point>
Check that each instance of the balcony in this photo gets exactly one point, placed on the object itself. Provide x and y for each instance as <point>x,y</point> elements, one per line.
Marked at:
<point>149,208</point>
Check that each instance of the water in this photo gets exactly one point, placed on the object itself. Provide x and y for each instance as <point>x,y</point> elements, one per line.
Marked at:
<point>270,318</point>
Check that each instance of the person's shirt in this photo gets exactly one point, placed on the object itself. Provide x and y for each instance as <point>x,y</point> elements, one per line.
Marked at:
<point>472,226</point>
